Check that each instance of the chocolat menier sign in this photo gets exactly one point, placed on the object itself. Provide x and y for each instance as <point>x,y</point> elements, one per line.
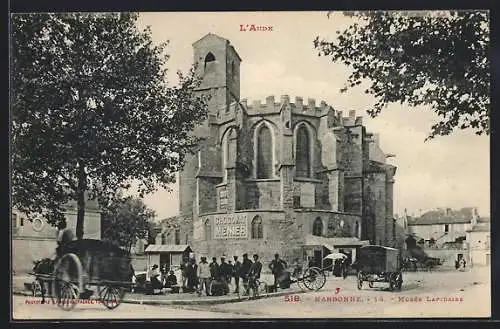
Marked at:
<point>232,226</point>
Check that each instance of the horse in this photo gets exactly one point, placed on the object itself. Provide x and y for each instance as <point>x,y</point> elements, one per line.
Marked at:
<point>43,266</point>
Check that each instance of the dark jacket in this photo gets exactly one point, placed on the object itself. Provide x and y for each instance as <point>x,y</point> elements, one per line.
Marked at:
<point>214,270</point>
<point>226,269</point>
<point>277,266</point>
<point>255,269</point>
<point>237,269</point>
<point>245,267</point>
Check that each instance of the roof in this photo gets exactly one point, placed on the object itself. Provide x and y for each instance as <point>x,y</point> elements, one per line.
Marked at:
<point>215,36</point>
<point>157,248</point>
<point>372,246</point>
<point>331,243</point>
<point>444,216</point>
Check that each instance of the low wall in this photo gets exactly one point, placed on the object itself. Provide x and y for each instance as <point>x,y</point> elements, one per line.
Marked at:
<point>447,256</point>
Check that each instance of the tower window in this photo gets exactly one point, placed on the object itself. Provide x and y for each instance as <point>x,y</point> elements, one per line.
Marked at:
<point>302,153</point>
<point>264,153</point>
<point>446,228</point>
<point>318,227</point>
<point>209,58</point>
<point>257,229</point>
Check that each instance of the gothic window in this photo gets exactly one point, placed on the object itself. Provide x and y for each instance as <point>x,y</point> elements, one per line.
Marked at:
<point>302,153</point>
<point>209,58</point>
<point>257,229</point>
<point>356,231</point>
<point>177,236</point>
<point>208,230</point>
<point>318,227</point>
<point>264,152</point>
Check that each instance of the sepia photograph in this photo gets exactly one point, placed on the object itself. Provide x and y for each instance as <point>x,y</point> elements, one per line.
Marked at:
<point>250,165</point>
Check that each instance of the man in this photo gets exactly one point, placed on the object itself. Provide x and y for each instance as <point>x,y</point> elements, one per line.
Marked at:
<point>184,266</point>
<point>64,237</point>
<point>204,276</point>
<point>225,273</point>
<point>214,269</point>
<point>236,274</point>
<point>277,267</point>
<point>170,280</point>
<point>192,275</point>
<point>254,272</point>
<point>155,281</point>
<point>244,269</point>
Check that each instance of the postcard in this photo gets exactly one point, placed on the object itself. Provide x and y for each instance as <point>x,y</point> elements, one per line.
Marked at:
<point>250,165</point>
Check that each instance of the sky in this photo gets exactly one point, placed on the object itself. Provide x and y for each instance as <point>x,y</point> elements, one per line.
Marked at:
<point>448,172</point>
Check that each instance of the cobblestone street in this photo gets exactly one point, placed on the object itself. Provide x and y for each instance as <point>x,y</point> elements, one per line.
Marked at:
<point>424,294</point>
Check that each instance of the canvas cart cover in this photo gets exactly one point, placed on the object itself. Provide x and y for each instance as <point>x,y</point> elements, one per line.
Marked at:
<point>378,259</point>
<point>102,260</point>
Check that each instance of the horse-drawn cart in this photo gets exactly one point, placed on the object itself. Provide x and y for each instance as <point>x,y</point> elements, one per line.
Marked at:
<point>83,264</point>
<point>379,264</point>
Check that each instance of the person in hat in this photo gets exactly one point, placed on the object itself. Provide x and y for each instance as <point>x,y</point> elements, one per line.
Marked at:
<point>225,273</point>
<point>254,273</point>
<point>204,276</point>
<point>277,267</point>
<point>245,269</point>
<point>171,279</point>
<point>236,274</point>
<point>155,277</point>
<point>214,269</point>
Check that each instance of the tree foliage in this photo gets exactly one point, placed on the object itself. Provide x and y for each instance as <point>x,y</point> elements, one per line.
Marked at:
<point>436,59</point>
<point>91,110</point>
<point>125,220</point>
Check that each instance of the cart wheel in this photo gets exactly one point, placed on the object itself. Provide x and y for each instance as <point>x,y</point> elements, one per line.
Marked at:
<point>360,280</point>
<point>111,297</point>
<point>67,281</point>
<point>370,284</point>
<point>314,279</point>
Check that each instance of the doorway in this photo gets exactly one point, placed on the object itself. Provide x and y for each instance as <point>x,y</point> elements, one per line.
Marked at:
<point>318,258</point>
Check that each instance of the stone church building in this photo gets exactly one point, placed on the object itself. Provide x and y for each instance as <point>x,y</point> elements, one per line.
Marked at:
<point>280,176</point>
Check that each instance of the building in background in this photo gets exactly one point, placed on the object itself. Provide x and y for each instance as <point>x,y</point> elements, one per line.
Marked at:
<point>35,240</point>
<point>479,242</point>
<point>294,178</point>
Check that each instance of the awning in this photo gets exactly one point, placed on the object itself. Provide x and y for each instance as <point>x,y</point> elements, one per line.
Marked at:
<point>332,243</point>
<point>159,248</point>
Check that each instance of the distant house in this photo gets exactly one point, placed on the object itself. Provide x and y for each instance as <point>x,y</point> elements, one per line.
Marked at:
<point>479,242</point>
<point>443,226</point>
<point>35,240</point>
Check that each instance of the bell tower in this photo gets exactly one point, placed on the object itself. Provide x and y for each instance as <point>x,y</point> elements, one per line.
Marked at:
<point>218,66</point>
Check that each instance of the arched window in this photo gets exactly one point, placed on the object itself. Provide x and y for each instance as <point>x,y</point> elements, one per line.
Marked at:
<point>257,229</point>
<point>356,230</point>
<point>209,58</point>
<point>208,230</point>
<point>303,153</point>
<point>264,152</point>
<point>318,227</point>
<point>163,238</point>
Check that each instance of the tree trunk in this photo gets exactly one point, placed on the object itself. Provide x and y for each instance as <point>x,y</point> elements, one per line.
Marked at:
<point>82,187</point>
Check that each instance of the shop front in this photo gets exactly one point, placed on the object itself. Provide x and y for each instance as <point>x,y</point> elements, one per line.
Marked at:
<point>171,256</point>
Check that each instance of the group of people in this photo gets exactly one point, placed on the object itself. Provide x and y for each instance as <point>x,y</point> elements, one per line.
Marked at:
<point>198,276</point>
<point>160,279</point>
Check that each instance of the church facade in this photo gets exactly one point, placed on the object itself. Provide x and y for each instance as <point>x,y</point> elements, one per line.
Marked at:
<point>280,176</point>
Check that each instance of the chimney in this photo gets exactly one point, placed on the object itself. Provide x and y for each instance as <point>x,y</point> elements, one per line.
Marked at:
<point>322,105</point>
<point>352,115</point>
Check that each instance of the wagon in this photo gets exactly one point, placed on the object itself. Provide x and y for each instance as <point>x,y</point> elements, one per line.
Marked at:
<point>379,264</point>
<point>85,264</point>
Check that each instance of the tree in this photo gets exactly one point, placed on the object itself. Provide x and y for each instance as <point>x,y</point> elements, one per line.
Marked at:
<point>435,59</point>
<point>126,220</point>
<point>91,111</point>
